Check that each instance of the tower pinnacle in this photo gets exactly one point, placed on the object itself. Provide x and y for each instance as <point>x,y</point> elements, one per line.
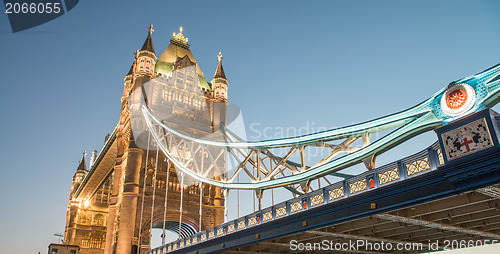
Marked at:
<point>219,72</point>
<point>82,165</point>
<point>148,44</point>
<point>220,81</point>
<point>150,28</point>
<point>179,36</point>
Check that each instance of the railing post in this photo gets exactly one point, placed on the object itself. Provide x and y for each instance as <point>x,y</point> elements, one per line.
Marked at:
<point>402,171</point>
<point>347,190</point>
<point>433,158</point>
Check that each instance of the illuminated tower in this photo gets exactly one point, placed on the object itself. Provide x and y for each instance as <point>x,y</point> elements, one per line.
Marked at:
<point>130,222</point>
<point>219,93</point>
<point>105,211</point>
<point>125,191</point>
<point>219,82</point>
<point>71,213</point>
<point>80,173</point>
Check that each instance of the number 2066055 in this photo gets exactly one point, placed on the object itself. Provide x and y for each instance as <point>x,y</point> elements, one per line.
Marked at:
<point>25,8</point>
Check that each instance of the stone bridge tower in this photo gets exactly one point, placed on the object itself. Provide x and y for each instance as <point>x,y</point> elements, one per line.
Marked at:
<point>126,217</point>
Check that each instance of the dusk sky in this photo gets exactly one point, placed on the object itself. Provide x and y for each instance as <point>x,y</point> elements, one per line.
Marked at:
<point>311,64</point>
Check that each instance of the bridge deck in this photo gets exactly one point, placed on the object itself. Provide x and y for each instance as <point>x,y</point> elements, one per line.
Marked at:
<point>449,203</point>
<point>473,215</point>
<point>418,199</point>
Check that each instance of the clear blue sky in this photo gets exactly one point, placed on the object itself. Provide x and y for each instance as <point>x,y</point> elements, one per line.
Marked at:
<point>288,63</point>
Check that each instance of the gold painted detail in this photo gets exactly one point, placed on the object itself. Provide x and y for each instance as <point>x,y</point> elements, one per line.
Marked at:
<point>175,246</point>
<point>358,186</point>
<point>169,248</point>
<point>252,221</point>
<point>211,234</point>
<point>388,176</point>
<point>203,237</point>
<point>294,207</point>
<point>267,216</point>
<point>188,242</point>
<point>318,199</point>
<point>440,156</point>
<point>230,228</point>
<point>418,166</point>
<point>195,240</point>
<point>336,193</point>
<point>241,224</point>
<point>181,244</point>
<point>220,231</point>
<point>179,36</point>
<point>280,212</point>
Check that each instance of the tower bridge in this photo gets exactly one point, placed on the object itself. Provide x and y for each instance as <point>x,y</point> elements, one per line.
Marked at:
<point>172,159</point>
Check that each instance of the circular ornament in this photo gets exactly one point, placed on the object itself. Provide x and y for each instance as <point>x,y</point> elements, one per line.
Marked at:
<point>458,99</point>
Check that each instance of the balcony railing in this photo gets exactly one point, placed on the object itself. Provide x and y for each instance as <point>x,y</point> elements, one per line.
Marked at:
<point>420,163</point>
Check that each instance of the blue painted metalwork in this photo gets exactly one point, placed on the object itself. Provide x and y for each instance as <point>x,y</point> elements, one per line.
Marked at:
<point>423,117</point>
<point>440,179</point>
<point>427,153</point>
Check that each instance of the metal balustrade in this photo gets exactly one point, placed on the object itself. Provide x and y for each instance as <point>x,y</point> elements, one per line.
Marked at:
<point>411,166</point>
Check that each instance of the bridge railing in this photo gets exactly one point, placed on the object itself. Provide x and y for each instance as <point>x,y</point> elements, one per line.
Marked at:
<point>420,163</point>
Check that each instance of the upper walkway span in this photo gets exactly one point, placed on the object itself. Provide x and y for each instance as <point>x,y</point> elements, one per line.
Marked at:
<point>437,189</point>
<point>459,98</point>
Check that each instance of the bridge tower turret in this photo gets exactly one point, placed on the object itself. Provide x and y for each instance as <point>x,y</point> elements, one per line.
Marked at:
<point>71,212</point>
<point>220,82</point>
<point>80,173</point>
<point>129,160</point>
<point>219,86</point>
<point>114,207</point>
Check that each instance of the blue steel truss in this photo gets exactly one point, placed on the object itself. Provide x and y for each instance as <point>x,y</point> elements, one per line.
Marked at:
<point>483,91</point>
<point>421,177</point>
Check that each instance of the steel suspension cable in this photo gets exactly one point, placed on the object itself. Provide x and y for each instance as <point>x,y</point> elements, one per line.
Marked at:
<point>166,198</point>
<point>253,192</point>
<point>154,195</point>
<point>238,196</point>
<point>226,194</point>
<point>143,192</point>
<point>180,208</point>
<point>201,204</point>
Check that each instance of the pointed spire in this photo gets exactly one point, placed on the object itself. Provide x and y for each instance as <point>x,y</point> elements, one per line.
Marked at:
<point>148,44</point>
<point>82,165</point>
<point>219,73</point>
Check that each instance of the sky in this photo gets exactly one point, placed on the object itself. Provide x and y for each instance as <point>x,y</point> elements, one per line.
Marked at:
<point>307,64</point>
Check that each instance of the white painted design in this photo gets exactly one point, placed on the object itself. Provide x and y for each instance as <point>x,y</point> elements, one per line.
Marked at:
<point>467,139</point>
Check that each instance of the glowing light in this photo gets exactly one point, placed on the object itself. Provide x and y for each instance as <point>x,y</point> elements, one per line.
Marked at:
<point>458,99</point>
<point>86,203</point>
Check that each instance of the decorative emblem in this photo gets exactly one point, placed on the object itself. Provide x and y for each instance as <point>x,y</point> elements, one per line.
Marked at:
<point>388,176</point>
<point>179,36</point>
<point>418,166</point>
<point>467,139</point>
<point>280,212</point>
<point>358,186</point>
<point>458,99</point>
<point>336,193</point>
